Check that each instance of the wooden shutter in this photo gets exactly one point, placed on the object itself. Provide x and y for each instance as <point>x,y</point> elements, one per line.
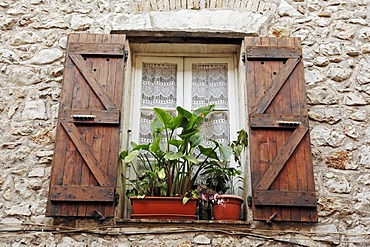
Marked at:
<point>84,170</point>
<point>281,164</point>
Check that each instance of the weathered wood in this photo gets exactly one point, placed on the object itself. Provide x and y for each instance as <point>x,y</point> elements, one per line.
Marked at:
<point>277,82</point>
<point>97,49</point>
<point>281,158</point>
<point>212,37</point>
<point>273,121</point>
<point>100,116</point>
<point>90,78</point>
<point>279,139</point>
<point>272,53</point>
<point>285,198</point>
<point>87,154</point>
<point>82,193</point>
<point>91,148</point>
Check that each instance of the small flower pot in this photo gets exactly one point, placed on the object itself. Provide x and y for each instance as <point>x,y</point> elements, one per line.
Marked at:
<point>152,207</point>
<point>229,208</point>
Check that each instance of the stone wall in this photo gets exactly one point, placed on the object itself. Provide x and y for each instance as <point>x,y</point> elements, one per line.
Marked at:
<point>336,47</point>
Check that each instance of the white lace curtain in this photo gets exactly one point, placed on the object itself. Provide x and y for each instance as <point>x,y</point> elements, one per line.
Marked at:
<point>209,86</point>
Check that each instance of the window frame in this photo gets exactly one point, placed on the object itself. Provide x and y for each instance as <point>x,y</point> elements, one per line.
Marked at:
<point>230,53</point>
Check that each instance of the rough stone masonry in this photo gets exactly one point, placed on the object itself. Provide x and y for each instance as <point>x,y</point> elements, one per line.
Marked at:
<point>336,48</point>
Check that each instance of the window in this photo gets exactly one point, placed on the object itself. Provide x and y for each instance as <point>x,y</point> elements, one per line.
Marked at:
<point>168,82</point>
<point>84,178</point>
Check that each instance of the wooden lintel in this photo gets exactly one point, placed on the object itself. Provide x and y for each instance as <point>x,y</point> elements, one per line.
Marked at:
<point>206,37</point>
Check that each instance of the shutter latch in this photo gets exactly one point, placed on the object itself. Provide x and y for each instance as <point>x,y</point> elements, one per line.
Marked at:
<point>289,123</point>
<point>83,117</point>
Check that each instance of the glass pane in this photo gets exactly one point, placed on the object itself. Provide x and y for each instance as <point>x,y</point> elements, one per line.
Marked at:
<point>209,85</point>
<point>158,85</point>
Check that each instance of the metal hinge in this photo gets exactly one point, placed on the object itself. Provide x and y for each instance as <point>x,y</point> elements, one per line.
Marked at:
<point>126,55</point>
<point>116,199</point>
<point>249,201</point>
<point>243,57</point>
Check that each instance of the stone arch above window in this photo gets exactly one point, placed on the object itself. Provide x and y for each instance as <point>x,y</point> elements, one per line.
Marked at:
<point>260,6</point>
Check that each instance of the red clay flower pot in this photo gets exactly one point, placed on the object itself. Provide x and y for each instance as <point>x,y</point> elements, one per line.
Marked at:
<point>229,209</point>
<point>152,207</point>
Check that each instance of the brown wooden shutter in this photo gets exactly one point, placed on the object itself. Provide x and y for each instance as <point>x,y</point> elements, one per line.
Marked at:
<point>281,164</point>
<point>84,170</point>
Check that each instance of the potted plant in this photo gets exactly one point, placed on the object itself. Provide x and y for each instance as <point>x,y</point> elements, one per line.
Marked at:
<point>221,179</point>
<point>171,163</point>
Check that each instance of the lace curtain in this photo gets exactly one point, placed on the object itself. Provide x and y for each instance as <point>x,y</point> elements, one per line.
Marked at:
<point>209,86</point>
<point>158,85</point>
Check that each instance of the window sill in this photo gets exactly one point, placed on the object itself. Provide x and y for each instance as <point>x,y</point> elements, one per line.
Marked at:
<point>158,222</point>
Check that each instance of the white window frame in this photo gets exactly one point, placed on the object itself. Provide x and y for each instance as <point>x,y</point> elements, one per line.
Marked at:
<point>192,51</point>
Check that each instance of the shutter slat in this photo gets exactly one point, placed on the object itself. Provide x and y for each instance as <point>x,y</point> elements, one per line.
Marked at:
<point>82,193</point>
<point>272,52</point>
<point>285,198</point>
<point>97,49</point>
<point>91,116</point>
<point>280,154</point>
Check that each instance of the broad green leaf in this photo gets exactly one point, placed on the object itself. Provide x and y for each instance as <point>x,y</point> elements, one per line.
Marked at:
<point>191,159</point>
<point>176,143</point>
<point>156,144</point>
<point>182,112</point>
<point>225,152</point>
<point>195,140</point>
<point>209,152</point>
<point>141,147</point>
<point>131,156</point>
<point>176,122</point>
<point>162,174</point>
<point>172,155</point>
<point>185,200</point>
<point>156,125</point>
<point>188,134</point>
<point>204,110</point>
<point>163,116</point>
<point>123,154</point>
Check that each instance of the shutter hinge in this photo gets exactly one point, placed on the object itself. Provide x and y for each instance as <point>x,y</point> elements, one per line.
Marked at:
<point>116,199</point>
<point>243,57</point>
<point>126,55</point>
<point>249,201</point>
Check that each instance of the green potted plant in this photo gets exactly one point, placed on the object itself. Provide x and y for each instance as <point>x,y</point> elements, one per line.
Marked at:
<point>171,163</point>
<point>222,179</point>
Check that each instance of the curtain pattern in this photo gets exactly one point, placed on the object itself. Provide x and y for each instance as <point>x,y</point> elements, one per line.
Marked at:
<point>209,86</point>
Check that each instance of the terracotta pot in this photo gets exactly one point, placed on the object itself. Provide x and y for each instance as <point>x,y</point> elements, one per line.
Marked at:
<point>152,207</point>
<point>229,209</point>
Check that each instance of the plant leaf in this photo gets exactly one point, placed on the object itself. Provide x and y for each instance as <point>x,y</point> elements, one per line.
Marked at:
<point>172,155</point>
<point>163,116</point>
<point>131,156</point>
<point>191,159</point>
<point>185,199</point>
<point>162,174</point>
<point>195,140</point>
<point>225,152</point>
